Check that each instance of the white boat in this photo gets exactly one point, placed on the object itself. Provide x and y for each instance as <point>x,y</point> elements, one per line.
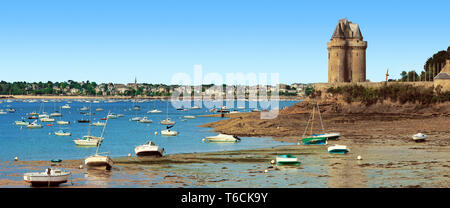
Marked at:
<point>240,107</point>
<point>96,101</point>
<point>3,112</point>
<point>63,133</point>
<point>167,122</point>
<point>169,132</point>
<point>111,116</point>
<point>34,125</point>
<point>84,108</point>
<point>56,114</point>
<point>63,122</point>
<point>45,119</point>
<point>145,120</point>
<point>87,141</point>
<point>22,123</point>
<point>338,149</point>
<point>136,119</point>
<point>43,115</point>
<point>154,111</point>
<point>97,160</point>
<point>329,136</point>
<point>98,123</point>
<point>419,137</point>
<point>222,138</point>
<point>50,177</point>
<point>149,149</point>
<point>66,106</point>
<point>99,109</point>
<point>195,107</point>
<point>11,110</point>
<point>287,160</point>
<point>190,117</point>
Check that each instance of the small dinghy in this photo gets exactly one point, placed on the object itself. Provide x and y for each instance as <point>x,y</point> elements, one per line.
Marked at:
<point>287,160</point>
<point>50,177</point>
<point>149,149</point>
<point>338,149</point>
<point>419,137</point>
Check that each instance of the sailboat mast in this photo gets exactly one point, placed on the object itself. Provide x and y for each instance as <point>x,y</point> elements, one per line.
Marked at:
<point>312,121</point>
<point>320,116</point>
<point>103,132</point>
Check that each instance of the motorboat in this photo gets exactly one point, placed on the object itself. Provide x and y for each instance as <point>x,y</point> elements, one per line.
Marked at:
<point>34,125</point>
<point>145,120</point>
<point>50,177</point>
<point>222,138</point>
<point>419,137</point>
<point>338,149</point>
<point>287,160</point>
<point>63,133</point>
<point>88,141</point>
<point>149,149</point>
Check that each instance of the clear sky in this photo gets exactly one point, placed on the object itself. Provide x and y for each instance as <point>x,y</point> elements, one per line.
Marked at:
<point>114,41</point>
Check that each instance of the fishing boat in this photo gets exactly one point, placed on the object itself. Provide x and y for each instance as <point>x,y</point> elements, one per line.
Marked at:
<point>98,123</point>
<point>287,160</point>
<point>22,123</point>
<point>419,137</point>
<point>34,125</point>
<point>145,120</point>
<point>149,149</point>
<point>99,160</point>
<point>169,132</point>
<point>315,139</point>
<point>222,138</point>
<point>338,149</point>
<point>50,177</point>
<point>63,133</point>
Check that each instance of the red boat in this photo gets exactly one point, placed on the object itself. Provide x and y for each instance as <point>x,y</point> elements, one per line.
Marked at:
<point>104,119</point>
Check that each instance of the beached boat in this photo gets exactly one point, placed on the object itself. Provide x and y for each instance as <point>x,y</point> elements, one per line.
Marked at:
<point>149,149</point>
<point>316,139</point>
<point>419,137</point>
<point>99,160</point>
<point>338,149</point>
<point>63,133</point>
<point>34,125</point>
<point>50,177</point>
<point>287,160</point>
<point>222,138</point>
<point>22,123</point>
<point>145,120</point>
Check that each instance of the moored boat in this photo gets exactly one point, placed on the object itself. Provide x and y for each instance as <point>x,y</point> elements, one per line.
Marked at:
<point>149,149</point>
<point>34,125</point>
<point>98,124</point>
<point>63,133</point>
<point>22,123</point>
<point>190,117</point>
<point>46,119</point>
<point>63,122</point>
<point>154,111</point>
<point>145,120</point>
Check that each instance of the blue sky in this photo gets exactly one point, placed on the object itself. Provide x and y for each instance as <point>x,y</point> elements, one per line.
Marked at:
<point>114,41</point>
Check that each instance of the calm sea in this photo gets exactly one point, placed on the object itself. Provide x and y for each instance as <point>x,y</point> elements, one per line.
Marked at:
<point>121,135</point>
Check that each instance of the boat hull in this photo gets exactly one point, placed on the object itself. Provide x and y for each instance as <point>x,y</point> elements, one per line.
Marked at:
<point>98,161</point>
<point>314,141</point>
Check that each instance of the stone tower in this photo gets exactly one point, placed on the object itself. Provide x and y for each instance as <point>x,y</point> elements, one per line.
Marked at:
<point>347,54</point>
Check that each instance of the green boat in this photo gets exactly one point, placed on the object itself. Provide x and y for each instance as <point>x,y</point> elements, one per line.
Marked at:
<point>316,139</point>
<point>287,160</point>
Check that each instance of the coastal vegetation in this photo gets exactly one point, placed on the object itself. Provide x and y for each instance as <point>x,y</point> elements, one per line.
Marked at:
<point>402,93</point>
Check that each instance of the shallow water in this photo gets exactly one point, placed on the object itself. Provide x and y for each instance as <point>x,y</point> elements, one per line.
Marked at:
<point>121,135</point>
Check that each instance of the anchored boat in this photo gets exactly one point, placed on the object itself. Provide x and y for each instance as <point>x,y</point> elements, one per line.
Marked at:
<point>63,133</point>
<point>317,139</point>
<point>287,160</point>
